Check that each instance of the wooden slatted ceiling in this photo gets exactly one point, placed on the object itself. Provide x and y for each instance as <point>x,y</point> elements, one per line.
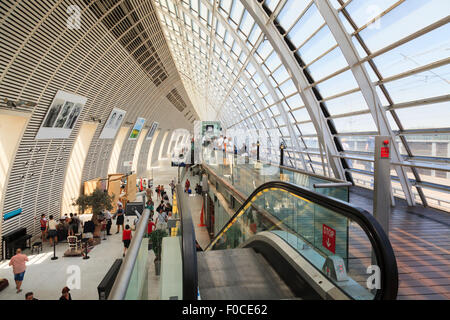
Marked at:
<point>38,57</point>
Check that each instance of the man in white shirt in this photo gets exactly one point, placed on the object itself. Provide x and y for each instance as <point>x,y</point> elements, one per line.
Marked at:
<point>220,143</point>
<point>108,218</point>
<point>52,230</point>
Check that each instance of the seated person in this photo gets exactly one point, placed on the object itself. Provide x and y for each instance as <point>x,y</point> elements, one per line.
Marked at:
<point>88,230</point>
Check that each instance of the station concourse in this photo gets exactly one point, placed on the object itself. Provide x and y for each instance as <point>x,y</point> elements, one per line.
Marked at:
<point>256,149</point>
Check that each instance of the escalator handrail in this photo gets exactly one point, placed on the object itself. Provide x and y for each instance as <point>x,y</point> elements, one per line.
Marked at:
<point>377,236</point>
<point>188,248</point>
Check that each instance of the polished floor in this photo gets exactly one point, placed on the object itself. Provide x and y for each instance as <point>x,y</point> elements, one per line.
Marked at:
<point>420,238</point>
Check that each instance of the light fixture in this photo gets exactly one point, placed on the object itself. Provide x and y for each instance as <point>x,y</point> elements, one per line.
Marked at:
<point>19,103</point>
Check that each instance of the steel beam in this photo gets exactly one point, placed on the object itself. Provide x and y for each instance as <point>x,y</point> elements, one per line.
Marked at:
<point>298,77</point>
<point>367,89</point>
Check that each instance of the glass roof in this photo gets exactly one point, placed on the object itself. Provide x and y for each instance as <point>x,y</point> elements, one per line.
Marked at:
<point>235,59</point>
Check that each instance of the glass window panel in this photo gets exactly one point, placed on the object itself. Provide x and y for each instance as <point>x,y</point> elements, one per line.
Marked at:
<point>264,49</point>
<point>307,128</point>
<point>317,45</point>
<point>254,35</point>
<point>290,13</point>
<point>438,198</point>
<point>348,103</point>
<point>271,4</point>
<point>428,116</point>
<point>281,74</point>
<point>422,145</point>
<point>288,88</point>
<point>361,143</point>
<point>247,23</point>
<point>303,29</point>
<point>359,123</point>
<point>295,101</point>
<point>433,46</point>
<point>431,83</point>
<point>312,143</point>
<point>338,84</point>
<point>362,11</point>
<point>392,122</point>
<point>301,115</point>
<point>273,61</point>
<point>408,17</point>
<point>331,62</point>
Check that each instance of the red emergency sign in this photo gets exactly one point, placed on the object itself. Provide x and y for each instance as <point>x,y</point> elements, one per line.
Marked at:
<point>384,152</point>
<point>329,238</point>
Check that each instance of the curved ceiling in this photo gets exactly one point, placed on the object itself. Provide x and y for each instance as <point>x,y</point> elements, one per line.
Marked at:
<point>329,75</point>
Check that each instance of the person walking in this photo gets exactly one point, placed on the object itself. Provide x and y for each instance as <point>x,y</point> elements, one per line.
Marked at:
<point>148,192</point>
<point>161,219</point>
<point>120,218</point>
<point>52,230</point>
<point>187,185</point>
<point>172,186</point>
<point>43,222</point>
<point>18,263</point>
<point>126,239</point>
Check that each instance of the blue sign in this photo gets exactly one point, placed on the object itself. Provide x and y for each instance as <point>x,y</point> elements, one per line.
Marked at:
<point>12,214</point>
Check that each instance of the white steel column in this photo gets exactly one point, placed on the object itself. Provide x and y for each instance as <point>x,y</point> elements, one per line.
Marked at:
<point>268,85</point>
<point>251,58</point>
<point>312,105</point>
<point>367,89</point>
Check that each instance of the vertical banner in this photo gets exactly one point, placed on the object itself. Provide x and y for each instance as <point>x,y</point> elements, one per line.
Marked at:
<point>61,116</point>
<point>137,129</point>
<point>152,131</point>
<point>113,124</point>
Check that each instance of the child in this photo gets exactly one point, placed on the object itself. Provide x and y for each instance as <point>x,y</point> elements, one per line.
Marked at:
<point>126,238</point>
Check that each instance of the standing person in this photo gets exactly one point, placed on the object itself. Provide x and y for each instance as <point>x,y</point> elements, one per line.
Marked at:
<point>18,262</point>
<point>126,238</point>
<point>120,218</point>
<point>148,192</point>
<point>172,186</point>
<point>65,294</point>
<point>161,206</point>
<point>187,185</point>
<point>73,223</point>
<point>150,206</point>
<point>161,219</point>
<point>157,192</point>
<point>52,230</point>
<point>151,226</point>
<point>78,222</point>
<point>108,217</point>
<point>43,222</point>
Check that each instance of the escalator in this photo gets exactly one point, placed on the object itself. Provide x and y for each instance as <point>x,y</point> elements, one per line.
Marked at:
<point>288,242</point>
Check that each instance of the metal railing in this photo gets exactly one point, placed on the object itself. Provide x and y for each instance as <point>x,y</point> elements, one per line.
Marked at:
<point>120,287</point>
